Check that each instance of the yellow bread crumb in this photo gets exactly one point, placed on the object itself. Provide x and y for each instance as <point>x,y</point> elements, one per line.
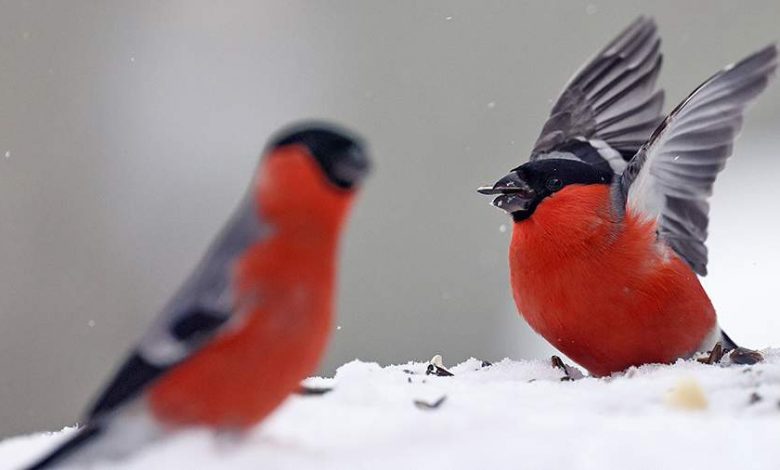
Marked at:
<point>687,395</point>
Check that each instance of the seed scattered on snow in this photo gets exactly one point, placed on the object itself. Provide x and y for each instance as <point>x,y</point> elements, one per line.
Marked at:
<point>745,356</point>
<point>313,391</point>
<point>437,361</point>
<point>436,367</point>
<point>424,405</point>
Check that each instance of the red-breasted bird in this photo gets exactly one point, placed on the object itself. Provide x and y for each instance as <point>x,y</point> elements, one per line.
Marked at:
<point>610,213</point>
<point>252,320</point>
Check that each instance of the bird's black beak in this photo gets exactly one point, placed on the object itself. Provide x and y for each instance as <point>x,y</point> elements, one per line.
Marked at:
<point>514,194</point>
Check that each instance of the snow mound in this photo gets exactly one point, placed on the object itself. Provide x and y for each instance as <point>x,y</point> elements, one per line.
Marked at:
<point>512,414</point>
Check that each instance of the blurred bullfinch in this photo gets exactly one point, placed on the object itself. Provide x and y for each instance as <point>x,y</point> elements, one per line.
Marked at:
<point>254,317</point>
<point>610,213</point>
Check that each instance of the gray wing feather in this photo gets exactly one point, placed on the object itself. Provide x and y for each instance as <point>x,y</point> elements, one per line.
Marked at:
<point>200,310</point>
<point>672,175</point>
<point>207,292</point>
<point>613,97</point>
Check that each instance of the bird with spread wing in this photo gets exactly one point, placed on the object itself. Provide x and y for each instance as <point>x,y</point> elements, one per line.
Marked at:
<point>610,213</point>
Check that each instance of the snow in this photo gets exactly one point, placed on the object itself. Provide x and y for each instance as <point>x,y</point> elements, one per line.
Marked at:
<point>512,414</point>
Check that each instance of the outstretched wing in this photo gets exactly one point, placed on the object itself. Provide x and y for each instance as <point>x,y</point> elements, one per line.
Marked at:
<point>671,177</point>
<point>195,314</point>
<point>612,98</point>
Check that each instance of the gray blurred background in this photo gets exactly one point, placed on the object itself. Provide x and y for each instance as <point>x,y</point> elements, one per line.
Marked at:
<point>128,131</point>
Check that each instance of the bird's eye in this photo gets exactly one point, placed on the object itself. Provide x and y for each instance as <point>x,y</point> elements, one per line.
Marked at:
<point>554,184</point>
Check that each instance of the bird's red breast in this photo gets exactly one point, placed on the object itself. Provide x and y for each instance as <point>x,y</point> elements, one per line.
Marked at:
<point>603,292</point>
<point>285,289</point>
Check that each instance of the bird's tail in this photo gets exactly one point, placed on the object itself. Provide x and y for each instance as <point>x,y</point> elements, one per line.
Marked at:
<point>728,343</point>
<point>110,438</point>
<point>62,452</point>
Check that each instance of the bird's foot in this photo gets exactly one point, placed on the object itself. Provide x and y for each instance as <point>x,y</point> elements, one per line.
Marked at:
<point>714,356</point>
<point>570,372</point>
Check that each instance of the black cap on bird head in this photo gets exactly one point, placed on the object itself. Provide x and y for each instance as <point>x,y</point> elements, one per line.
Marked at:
<point>521,191</point>
<point>339,153</point>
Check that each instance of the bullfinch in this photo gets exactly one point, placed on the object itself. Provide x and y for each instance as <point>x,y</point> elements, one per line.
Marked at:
<point>610,213</point>
<point>254,317</point>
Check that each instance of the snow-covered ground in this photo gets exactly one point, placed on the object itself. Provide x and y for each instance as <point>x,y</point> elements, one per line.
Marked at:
<point>512,414</point>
